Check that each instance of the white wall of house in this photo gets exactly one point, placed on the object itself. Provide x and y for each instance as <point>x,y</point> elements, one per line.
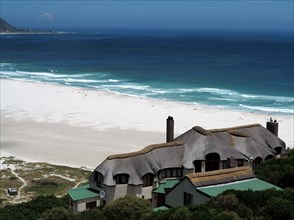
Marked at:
<point>121,190</point>
<point>80,205</point>
<point>74,206</point>
<point>176,196</point>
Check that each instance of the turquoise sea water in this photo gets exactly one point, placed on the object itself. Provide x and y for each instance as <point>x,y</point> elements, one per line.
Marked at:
<point>245,71</point>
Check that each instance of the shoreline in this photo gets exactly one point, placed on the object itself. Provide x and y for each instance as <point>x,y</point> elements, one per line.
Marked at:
<point>191,104</point>
<point>61,116</point>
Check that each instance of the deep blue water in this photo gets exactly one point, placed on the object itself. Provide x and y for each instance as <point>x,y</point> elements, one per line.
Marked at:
<point>237,70</point>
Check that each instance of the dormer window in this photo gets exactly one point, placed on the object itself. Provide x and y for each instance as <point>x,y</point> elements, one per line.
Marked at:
<point>171,172</point>
<point>148,179</point>
<point>98,178</point>
<point>121,178</point>
<point>212,162</point>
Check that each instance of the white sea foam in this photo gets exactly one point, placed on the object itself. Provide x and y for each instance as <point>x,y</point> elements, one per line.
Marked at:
<point>234,96</point>
<point>217,91</point>
<point>41,74</point>
<point>83,80</point>
<point>223,99</point>
<point>113,80</point>
<point>104,81</point>
<point>268,109</point>
<point>269,98</point>
<point>128,86</point>
<point>10,73</point>
<point>3,65</point>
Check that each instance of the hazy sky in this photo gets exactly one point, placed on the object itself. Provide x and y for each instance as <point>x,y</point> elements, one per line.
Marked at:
<point>231,14</point>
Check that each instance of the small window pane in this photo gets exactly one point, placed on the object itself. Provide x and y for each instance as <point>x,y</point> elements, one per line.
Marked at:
<point>148,180</point>
<point>175,173</point>
<point>188,199</point>
<point>121,179</point>
<point>168,173</point>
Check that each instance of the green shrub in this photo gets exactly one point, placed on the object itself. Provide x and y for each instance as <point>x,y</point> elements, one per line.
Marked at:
<point>56,213</point>
<point>128,207</point>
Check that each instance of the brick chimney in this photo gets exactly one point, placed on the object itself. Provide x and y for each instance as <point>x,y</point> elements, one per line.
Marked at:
<point>169,129</point>
<point>272,126</point>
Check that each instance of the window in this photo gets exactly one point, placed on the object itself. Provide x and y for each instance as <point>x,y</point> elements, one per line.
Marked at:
<point>231,162</point>
<point>240,163</point>
<point>148,179</point>
<point>188,199</point>
<point>197,165</point>
<point>212,162</point>
<point>91,205</point>
<point>269,157</point>
<point>98,177</point>
<point>122,179</point>
<point>278,150</point>
<point>256,162</point>
<point>171,172</point>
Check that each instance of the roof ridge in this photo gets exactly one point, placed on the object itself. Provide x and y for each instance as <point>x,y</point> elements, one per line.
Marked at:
<point>234,128</point>
<point>145,150</point>
<point>229,129</point>
<point>218,176</point>
<point>218,172</point>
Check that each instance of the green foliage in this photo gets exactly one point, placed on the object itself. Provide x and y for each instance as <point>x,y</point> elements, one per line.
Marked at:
<point>33,209</point>
<point>206,212</point>
<point>268,204</point>
<point>92,214</point>
<point>279,171</point>
<point>180,213</point>
<point>229,203</point>
<point>128,207</point>
<point>279,209</point>
<point>57,213</point>
<point>13,178</point>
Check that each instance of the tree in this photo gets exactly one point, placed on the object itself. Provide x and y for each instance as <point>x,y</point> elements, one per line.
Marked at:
<point>278,171</point>
<point>57,213</point>
<point>92,214</point>
<point>181,213</point>
<point>279,209</point>
<point>33,209</point>
<point>128,207</point>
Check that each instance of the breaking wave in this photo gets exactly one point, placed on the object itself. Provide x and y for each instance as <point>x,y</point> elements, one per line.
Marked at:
<point>202,95</point>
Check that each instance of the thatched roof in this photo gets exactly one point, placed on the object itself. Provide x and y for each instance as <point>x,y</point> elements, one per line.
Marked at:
<point>145,150</point>
<point>221,176</point>
<point>238,142</point>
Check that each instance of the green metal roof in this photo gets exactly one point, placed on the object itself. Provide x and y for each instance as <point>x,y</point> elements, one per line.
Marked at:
<point>82,192</point>
<point>168,184</point>
<point>252,184</point>
<point>160,208</point>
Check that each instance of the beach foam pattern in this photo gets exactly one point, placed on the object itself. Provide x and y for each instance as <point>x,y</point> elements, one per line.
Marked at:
<point>223,98</point>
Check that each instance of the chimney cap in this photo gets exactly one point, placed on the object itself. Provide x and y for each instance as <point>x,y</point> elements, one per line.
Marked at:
<point>170,117</point>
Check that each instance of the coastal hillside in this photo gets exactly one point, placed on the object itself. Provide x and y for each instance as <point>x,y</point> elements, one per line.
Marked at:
<point>6,27</point>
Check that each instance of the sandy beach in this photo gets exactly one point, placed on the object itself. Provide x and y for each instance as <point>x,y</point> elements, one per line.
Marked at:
<point>80,127</point>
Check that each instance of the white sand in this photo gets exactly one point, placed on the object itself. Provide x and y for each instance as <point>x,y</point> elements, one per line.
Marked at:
<point>75,126</point>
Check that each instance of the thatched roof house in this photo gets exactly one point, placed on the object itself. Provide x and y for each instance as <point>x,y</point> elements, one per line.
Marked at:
<point>197,158</point>
<point>241,143</point>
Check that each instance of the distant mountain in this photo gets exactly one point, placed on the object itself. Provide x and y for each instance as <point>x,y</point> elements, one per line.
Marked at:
<point>6,27</point>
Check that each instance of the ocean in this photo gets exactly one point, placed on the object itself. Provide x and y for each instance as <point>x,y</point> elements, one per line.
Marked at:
<point>247,71</point>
